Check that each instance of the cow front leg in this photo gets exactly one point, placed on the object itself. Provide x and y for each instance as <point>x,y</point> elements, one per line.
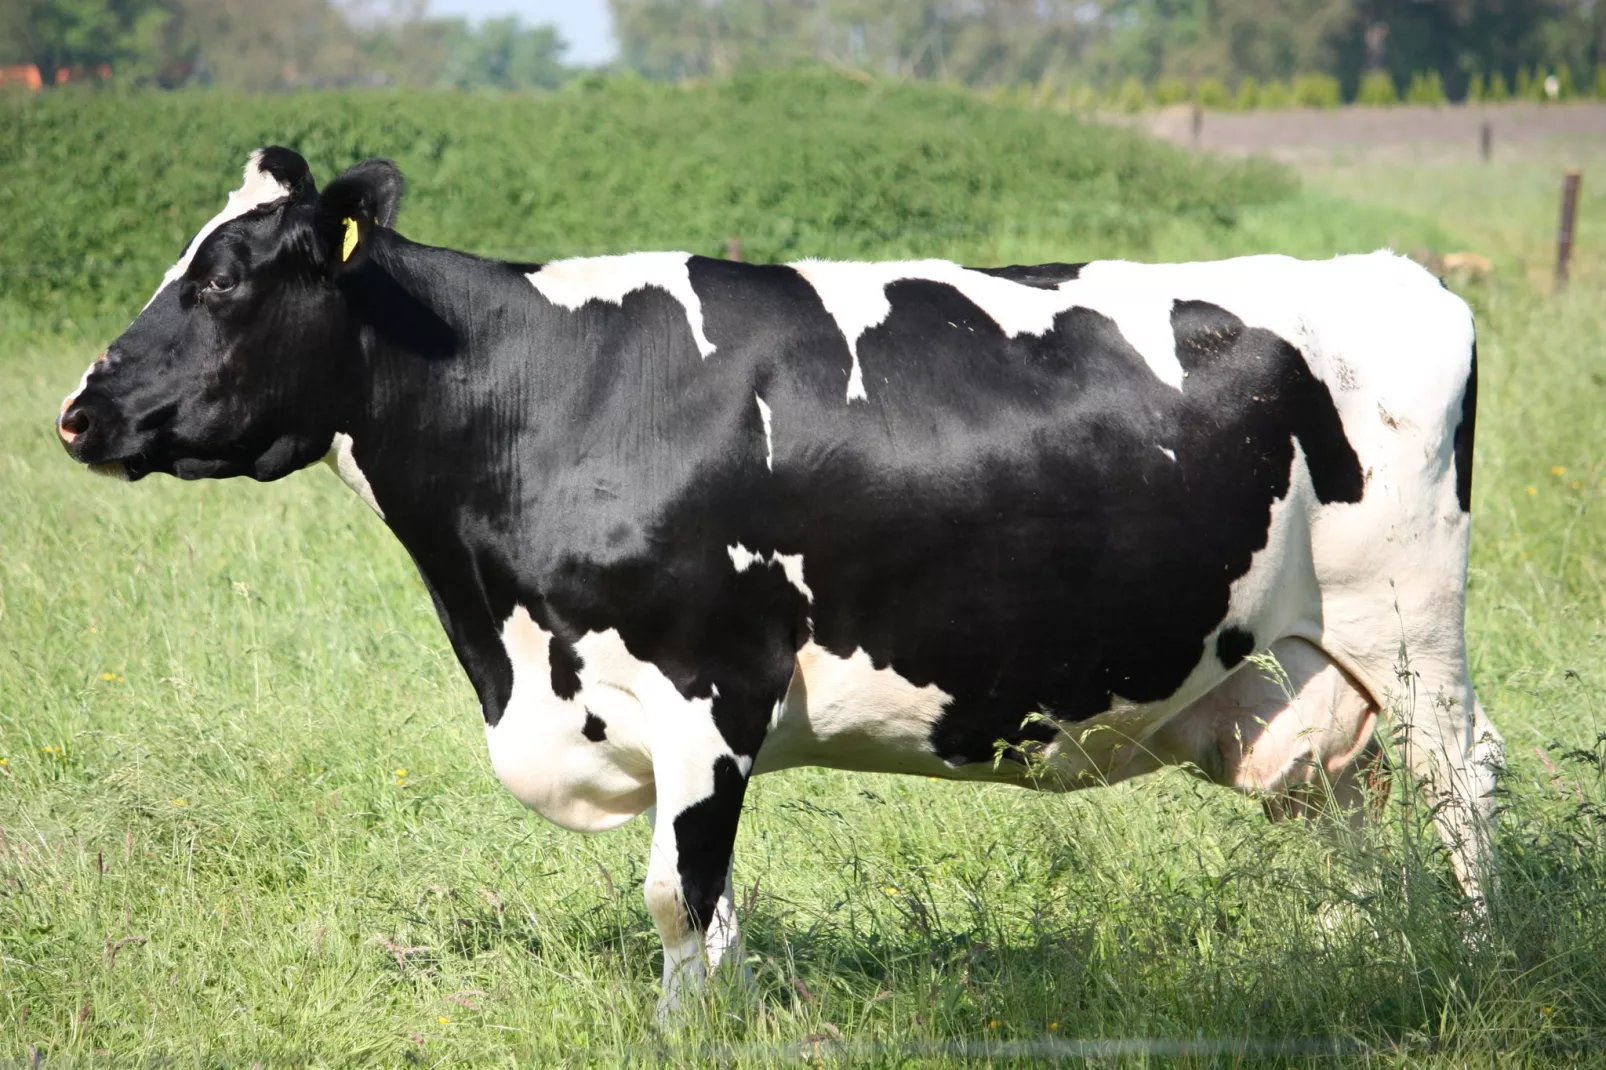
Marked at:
<point>689,890</point>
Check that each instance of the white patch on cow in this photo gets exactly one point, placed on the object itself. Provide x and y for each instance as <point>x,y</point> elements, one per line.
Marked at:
<point>1170,454</point>
<point>571,284</point>
<point>844,713</point>
<point>259,188</point>
<point>538,748</point>
<point>855,296</point>
<point>341,460</point>
<point>769,433</point>
<point>791,565</point>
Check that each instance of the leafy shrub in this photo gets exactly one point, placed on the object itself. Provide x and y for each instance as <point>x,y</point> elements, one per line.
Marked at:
<point>1426,88</point>
<point>1171,90</point>
<point>1567,88</point>
<point>1528,87</point>
<point>1275,94</point>
<point>1377,90</point>
<point>1211,93</point>
<point>1248,93</point>
<point>100,191</point>
<point>1131,96</point>
<point>1317,91</point>
<point>1474,88</point>
<point>1497,90</point>
<point>1600,80</point>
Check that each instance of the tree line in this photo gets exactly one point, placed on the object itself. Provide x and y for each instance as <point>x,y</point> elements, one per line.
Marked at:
<point>1466,45</point>
<point>275,44</point>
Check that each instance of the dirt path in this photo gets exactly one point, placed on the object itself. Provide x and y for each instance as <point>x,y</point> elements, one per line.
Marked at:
<point>1297,134</point>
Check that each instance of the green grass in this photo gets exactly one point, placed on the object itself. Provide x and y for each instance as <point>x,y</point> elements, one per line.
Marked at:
<point>209,856</point>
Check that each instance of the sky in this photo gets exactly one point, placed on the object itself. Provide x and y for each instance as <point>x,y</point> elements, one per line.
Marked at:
<point>585,24</point>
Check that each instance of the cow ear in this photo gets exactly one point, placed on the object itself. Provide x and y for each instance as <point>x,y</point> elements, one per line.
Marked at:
<point>361,198</point>
<point>288,168</point>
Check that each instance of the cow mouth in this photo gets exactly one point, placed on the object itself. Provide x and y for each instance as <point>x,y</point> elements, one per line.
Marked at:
<point>129,470</point>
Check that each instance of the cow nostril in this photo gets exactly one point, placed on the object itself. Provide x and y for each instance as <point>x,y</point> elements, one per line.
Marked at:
<point>73,423</point>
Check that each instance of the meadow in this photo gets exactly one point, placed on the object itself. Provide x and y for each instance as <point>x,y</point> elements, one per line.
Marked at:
<point>245,811</point>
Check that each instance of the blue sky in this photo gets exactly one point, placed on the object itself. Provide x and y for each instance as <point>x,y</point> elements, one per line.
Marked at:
<point>585,24</point>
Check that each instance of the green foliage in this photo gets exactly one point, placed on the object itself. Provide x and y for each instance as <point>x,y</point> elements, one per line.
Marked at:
<point>100,192</point>
<point>1275,94</point>
<point>1600,81</point>
<point>1498,91</point>
<point>1131,96</point>
<point>1211,93</point>
<point>1528,87</point>
<point>1426,89</point>
<point>1248,97</point>
<point>1475,89</point>
<point>66,34</point>
<point>1566,87</point>
<point>1317,91</point>
<point>1377,90</point>
<point>1172,90</point>
<point>506,54</point>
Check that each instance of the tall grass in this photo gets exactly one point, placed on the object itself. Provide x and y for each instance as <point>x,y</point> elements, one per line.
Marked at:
<point>210,855</point>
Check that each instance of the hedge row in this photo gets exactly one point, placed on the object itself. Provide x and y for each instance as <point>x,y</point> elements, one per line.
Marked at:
<point>1377,88</point>
<point>99,191</point>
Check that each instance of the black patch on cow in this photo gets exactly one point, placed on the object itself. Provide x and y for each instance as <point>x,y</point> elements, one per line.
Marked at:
<point>1464,434</point>
<point>705,833</point>
<point>566,666</point>
<point>1041,276</point>
<point>1233,645</point>
<point>1207,333</point>
<point>594,729</point>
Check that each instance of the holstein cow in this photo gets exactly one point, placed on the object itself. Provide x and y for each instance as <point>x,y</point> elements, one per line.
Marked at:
<point>687,520</point>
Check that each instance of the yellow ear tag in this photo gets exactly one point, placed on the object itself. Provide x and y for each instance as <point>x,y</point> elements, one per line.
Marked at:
<point>348,245</point>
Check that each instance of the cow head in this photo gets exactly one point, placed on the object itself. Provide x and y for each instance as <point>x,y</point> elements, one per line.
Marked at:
<point>245,362</point>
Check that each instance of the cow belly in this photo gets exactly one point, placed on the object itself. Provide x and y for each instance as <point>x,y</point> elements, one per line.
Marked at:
<point>1261,731</point>
<point>1254,731</point>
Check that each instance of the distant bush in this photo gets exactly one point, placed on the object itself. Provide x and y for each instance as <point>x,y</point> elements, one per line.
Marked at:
<point>1377,89</point>
<point>1131,96</point>
<point>1248,97</point>
<point>1171,90</point>
<point>99,191</point>
<point>1528,87</point>
<point>1474,88</point>
<point>1600,80</point>
<point>1275,94</point>
<point>1497,90</point>
<point>1426,88</point>
<point>1211,93</point>
<point>1317,91</point>
<point>1567,88</point>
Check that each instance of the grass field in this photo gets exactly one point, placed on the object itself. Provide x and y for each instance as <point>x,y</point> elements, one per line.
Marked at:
<point>246,814</point>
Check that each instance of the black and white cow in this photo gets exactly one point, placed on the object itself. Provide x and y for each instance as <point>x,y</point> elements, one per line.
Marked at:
<point>686,520</point>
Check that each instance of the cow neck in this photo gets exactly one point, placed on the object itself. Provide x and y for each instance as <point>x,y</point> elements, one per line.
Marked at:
<point>455,381</point>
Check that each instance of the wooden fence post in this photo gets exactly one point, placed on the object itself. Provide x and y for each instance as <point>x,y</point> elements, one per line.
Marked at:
<point>1569,221</point>
<point>1198,123</point>
<point>1486,141</point>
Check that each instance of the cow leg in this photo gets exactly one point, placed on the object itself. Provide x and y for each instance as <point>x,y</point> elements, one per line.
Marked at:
<point>701,781</point>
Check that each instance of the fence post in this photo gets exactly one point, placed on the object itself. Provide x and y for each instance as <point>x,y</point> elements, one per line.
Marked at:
<point>1486,141</point>
<point>733,249</point>
<point>1569,220</point>
<point>1198,123</point>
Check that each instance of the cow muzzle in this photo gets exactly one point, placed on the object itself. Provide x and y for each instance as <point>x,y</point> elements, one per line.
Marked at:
<point>75,422</point>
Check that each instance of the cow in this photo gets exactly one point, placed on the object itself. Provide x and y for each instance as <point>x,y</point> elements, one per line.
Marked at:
<point>687,520</point>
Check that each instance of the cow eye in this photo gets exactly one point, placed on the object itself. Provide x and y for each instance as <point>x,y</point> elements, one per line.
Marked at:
<point>220,283</point>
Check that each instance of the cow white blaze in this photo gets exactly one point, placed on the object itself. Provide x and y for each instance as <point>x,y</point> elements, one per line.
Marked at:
<point>572,283</point>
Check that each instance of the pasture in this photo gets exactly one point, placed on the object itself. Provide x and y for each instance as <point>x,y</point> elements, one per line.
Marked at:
<point>245,810</point>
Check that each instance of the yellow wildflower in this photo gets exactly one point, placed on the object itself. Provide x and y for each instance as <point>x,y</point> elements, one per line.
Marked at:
<point>1532,490</point>
<point>180,802</point>
<point>1053,1027</point>
<point>1547,1010</point>
<point>401,772</point>
<point>444,1020</point>
<point>108,676</point>
<point>1558,470</point>
<point>992,1023</point>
